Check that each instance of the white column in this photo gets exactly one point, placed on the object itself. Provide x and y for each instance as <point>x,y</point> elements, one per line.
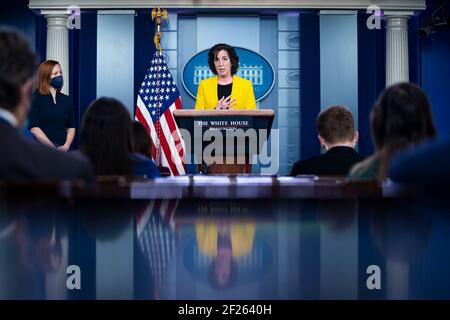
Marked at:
<point>58,42</point>
<point>397,61</point>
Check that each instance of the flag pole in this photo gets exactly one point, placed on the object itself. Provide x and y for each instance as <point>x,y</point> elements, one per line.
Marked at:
<point>158,14</point>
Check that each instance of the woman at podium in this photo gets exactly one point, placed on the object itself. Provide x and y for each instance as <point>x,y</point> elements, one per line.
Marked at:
<point>225,90</point>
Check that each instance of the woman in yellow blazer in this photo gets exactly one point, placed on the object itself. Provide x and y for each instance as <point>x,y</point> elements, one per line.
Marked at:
<point>225,90</point>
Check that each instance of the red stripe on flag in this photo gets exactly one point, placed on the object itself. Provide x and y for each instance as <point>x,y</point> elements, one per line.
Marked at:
<point>173,132</point>
<point>178,103</point>
<point>139,216</point>
<point>170,210</point>
<point>153,150</point>
<point>141,118</point>
<point>167,153</point>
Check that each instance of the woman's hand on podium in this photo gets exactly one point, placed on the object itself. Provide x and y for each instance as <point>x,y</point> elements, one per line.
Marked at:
<point>225,103</point>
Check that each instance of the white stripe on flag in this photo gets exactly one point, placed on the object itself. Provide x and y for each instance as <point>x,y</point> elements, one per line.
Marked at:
<point>144,219</point>
<point>172,108</point>
<point>176,159</point>
<point>148,119</point>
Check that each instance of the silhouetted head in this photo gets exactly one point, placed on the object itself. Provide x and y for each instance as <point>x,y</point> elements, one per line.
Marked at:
<point>17,66</point>
<point>141,139</point>
<point>401,117</point>
<point>106,137</point>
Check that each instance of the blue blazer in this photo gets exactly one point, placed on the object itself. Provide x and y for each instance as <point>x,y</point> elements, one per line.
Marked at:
<point>143,166</point>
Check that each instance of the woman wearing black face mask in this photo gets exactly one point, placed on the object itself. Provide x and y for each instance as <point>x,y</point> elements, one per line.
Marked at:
<point>51,118</point>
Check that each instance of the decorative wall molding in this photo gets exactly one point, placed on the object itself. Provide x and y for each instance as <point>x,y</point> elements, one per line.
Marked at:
<point>211,4</point>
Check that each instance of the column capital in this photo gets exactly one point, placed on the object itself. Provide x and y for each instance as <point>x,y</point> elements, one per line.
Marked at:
<point>54,13</point>
<point>397,14</point>
<point>56,20</point>
<point>397,19</point>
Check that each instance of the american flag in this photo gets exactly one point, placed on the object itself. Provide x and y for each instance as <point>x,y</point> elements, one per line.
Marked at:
<point>156,237</point>
<point>158,97</point>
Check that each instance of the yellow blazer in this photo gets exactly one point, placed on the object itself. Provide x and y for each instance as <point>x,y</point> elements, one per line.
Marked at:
<point>242,91</point>
<point>241,234</point>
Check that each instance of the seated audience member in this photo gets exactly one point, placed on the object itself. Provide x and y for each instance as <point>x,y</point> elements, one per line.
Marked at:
<point>141,140</point>
<point>400,118</point>
<point>143,145</point>
<point>338,137</point>
<point>426,164</point>
<point>24,159</point>
<point>106,138</point>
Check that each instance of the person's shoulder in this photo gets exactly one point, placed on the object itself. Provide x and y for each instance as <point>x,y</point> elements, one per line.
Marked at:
<point>209,81</point>
<point>51,162</point>
<point>39,98</point>
<point>74,165</point>
<point>435,149</point>
<point>242,81</point>
<point>360,156</point>
<point>143,165</point>
<point>54,155</point>
<point>7,131</point>
<point>366,169</point>
<point>313,159</point>
<point>77,155</point>
<point>304,166</point>
<point>138,157</point>
<point>64,97</point>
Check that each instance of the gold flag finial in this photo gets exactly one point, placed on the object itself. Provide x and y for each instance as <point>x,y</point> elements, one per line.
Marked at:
<point>159,14</point>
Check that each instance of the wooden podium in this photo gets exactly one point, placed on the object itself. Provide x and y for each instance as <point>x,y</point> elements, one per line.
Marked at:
<point>227,123</point>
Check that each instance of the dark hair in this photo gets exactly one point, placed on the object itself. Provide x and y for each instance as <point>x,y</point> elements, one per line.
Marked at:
<point>400,117</point>
<point>17,64</point>
<point>141,139</point>
<point>106,137</point>
<point>231,53</point>
<point>335,124</point>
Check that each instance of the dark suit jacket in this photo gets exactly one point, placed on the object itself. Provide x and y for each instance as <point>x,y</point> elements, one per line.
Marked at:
<point>23,159</point>
<point>336,162</point>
